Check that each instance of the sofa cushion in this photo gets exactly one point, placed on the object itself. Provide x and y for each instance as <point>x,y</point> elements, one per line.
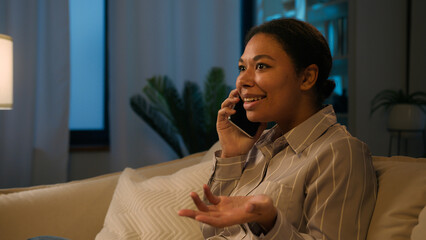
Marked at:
<point>419,231</point>
<point>74,210</point>
<point>147,208</point>
<point>400,198</point>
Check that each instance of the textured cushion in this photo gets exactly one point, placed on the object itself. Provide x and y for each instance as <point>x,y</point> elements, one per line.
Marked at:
<point>147,208</point>
<point>401,196</point>
<point>419,231</point>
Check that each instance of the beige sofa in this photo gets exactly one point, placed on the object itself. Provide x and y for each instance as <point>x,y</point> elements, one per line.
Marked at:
<point>142,203</point>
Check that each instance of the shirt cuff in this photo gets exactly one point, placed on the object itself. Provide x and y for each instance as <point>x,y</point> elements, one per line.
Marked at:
<point>282,228</point>
<point>226,169</point>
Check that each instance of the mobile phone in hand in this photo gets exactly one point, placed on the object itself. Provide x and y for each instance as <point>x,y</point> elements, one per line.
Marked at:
<point>239,119</point>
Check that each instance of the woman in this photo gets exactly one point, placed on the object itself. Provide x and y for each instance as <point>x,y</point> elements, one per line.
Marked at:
<point>307,177</point>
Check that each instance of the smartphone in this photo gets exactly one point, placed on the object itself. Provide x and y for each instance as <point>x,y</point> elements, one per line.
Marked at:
<point>239,119</point>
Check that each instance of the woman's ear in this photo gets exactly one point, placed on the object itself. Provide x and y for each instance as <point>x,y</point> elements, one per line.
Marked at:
<point>310,76</point>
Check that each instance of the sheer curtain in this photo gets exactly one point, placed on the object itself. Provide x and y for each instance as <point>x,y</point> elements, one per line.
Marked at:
<point>34,135</point>
<point>181,39</point>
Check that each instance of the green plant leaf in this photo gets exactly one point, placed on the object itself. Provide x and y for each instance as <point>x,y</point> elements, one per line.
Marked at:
<point>215,92</point>
<point>388,98</point>
<point>194,119</point>
<point>163,96</point>
<point>190,117</point>
<point>156,120</point>
<point>419,97</point>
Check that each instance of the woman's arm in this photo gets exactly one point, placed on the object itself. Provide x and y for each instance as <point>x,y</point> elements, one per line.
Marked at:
<point>230,160</point>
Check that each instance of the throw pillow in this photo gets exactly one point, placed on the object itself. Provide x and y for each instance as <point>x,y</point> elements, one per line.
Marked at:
<point>400,198</point>
<point>419,231</point>
<point>147,208</point>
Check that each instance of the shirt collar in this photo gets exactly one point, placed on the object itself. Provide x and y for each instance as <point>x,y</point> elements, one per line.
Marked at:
<point>303,135</point>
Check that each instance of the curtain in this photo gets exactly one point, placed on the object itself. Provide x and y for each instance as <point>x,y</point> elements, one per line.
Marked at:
<point>34,135</point>
<point>181,39</point>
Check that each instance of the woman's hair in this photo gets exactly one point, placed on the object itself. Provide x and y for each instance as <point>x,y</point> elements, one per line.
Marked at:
<point>305,45</point>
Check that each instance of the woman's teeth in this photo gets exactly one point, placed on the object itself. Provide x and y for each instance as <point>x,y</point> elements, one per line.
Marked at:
<point>252,99</point>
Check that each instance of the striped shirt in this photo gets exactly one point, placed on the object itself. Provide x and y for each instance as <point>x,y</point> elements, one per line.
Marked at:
<point>319,177</point>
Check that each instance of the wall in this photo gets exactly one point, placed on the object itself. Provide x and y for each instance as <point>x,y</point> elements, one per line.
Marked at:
<point>85,164</point>
<point>378,62</point>
<point>418,46</point>
<point>418,64</point>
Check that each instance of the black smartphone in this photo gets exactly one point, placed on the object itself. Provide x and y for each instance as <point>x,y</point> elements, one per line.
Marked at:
<point>239,119</point>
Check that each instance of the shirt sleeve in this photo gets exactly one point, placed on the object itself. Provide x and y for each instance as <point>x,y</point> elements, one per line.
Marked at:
<point>226,174</point>
<point>340,192</point>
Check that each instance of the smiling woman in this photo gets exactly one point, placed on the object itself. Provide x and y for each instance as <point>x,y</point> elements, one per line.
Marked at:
<point>285,182</point>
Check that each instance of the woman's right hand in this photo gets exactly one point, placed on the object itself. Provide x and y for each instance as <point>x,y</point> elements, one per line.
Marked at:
<point>232,140</point>
<point>225,211</point>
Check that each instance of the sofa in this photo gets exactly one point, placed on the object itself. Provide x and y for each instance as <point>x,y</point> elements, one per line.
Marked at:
<point>143,203</point>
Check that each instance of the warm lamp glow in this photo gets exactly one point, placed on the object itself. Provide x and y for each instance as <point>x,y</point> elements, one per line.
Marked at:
<point>6,72</point>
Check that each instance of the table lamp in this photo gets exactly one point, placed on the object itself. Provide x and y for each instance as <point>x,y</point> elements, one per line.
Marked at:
<point>6,72</point>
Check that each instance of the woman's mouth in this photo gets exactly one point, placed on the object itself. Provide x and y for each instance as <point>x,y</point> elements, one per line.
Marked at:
<point>253,99</point>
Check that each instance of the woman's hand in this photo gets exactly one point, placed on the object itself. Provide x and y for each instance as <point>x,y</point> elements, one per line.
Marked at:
<point>232,140</point>
<point>228,211</point>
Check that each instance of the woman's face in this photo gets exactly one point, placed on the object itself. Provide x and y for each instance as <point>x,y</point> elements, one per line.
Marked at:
<point>268,83</point>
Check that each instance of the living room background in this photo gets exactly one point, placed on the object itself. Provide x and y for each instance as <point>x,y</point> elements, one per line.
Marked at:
<point>182,40</point>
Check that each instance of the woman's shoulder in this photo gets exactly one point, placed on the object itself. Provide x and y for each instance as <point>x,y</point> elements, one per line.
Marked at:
<point>338,138</point>
<point>339,132</point>
<point>338,148</point>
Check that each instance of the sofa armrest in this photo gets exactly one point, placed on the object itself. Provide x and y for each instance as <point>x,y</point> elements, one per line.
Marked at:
<point>74,210</point>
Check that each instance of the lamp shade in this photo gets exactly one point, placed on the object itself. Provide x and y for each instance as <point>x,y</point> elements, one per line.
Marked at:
<point>6,72</point>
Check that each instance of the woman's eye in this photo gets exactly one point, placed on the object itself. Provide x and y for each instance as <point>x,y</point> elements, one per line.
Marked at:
<point>261,66</point>
<point>241,68</point>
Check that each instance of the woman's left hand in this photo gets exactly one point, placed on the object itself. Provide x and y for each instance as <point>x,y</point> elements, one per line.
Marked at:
<point>227,211</point>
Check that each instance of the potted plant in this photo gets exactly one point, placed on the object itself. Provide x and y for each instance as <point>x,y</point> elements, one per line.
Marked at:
<point>406,111</point>
<point>186,121</point>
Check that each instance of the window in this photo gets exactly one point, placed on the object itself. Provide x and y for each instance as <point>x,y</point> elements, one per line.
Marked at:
<point>88,121</point>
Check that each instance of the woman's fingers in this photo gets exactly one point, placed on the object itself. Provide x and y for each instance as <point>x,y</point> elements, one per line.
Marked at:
<point>227,106</point>
<point>201,206</point>
<point>198,202</point>
<point>232,99</point>
<point>234,94</point>
<point>224,113</point>
<point>209,195</point>
<point>187,213</point>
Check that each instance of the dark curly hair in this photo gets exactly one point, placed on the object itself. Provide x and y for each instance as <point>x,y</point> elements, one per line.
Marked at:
<point>305,45</point>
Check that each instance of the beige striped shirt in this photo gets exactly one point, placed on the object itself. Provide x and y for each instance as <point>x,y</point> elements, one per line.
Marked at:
<point>320,178</point>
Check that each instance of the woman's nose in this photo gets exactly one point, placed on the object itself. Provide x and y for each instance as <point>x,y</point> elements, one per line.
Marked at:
<point>245,79</point>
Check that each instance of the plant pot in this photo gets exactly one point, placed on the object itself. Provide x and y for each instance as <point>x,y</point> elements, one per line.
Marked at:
<point>406,117</point>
